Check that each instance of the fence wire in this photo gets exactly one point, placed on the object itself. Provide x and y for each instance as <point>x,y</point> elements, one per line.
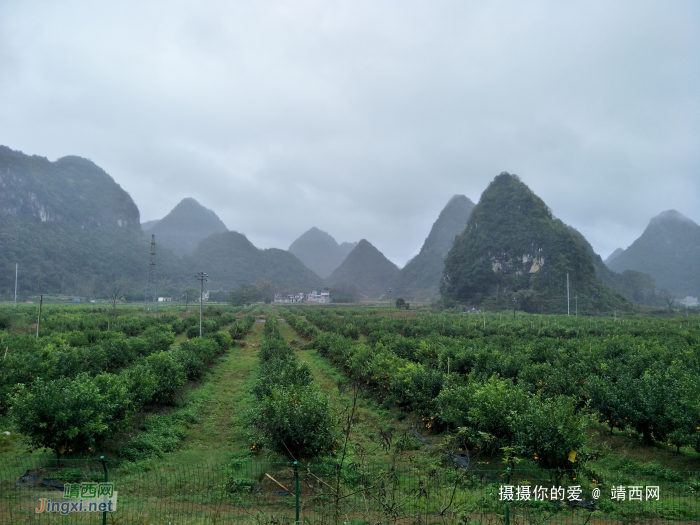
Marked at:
<point>247,492</point>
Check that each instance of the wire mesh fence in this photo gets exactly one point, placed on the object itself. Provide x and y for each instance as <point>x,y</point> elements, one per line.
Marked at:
<point>242,492</point>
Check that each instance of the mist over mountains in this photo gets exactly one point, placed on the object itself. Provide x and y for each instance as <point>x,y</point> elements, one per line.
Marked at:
<point>68,224</point>
<point>320,252</point>
<point>185,226</point>
<point>668,251</point>
<point>368,269</point>
<point>421,277</point>
<point>73,230</point>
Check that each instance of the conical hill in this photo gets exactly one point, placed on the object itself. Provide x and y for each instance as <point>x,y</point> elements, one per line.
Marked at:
<point>368,269</point>
<point>669,251</point>
<point>513,248</point>
<point>319,251</point>
<point>420,279</point>
<point>187,223</point>
<point>230,260</point>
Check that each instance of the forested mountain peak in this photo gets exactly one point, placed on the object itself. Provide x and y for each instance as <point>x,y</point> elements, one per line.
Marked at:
<point>231,259</point>
<point>70,190</point>
<point>513,247</point>
<point>186,225</point>
<point>669,251</point>
<point>451,222</point>
<point>67,224</point>
<point>368,269</point>
<point>420,278</point>
<point>319,251</point>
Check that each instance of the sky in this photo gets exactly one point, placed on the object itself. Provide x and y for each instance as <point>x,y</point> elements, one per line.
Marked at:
<point>363,118</point>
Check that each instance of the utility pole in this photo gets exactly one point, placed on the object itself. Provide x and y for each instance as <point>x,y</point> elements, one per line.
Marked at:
<point>568,310</point>
<point>151,277</point>
<point>515,302</point>
<point>201,277</point>
<point>186,301</point>
<point>390,290</point>
<point>16,266</point>
<point>38,319</point>
<point>576,299</point>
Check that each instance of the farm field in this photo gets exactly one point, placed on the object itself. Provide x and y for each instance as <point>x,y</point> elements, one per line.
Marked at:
<point>382,391</point>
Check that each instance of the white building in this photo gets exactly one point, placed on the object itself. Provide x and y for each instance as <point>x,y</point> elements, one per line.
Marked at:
<point>689,301</point>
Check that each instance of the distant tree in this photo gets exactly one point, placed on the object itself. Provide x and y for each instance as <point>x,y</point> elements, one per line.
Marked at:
<point>343,293</point>
<point>189,295</point>
<point>243,295</point>
<point>115,293</point>
<point>266,290</point>
<point>668,299</point>
<point>400,303</point>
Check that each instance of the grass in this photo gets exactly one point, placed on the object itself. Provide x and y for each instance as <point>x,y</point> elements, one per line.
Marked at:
<point>219,401</point>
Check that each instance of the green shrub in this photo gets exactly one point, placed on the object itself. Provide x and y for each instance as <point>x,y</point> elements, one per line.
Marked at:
<point>65,415</point>
<point>223,339</point>
<point>281,373</point>
<point>296,422</point>
<point>168,375</point>
<point>239,485</point>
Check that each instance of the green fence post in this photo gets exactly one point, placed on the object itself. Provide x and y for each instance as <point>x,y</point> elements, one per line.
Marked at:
<point>507,506</point>
<point>104,465</point>
<point>296,489</point>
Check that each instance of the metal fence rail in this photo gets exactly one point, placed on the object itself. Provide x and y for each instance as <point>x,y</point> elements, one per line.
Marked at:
<point>245,492</point>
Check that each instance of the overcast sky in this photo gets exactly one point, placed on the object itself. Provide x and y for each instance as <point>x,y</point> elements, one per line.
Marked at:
<point>364,117</point>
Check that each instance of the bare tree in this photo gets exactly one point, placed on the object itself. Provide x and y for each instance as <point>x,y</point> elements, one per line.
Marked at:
<point>115,293</point>
<point>668,299</point>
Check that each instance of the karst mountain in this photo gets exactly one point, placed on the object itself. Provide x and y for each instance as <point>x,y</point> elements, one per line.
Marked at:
<point>68,226</point>
<point>514,248</point>
<point>669,251</point>
<point>230,260</point>
<point>185,226</point>
<point>420,279</point>
<point>368,269</point>
<point>320,252</point>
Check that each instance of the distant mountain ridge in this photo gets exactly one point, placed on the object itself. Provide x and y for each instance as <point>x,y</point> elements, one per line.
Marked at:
<point>368,269</point>
<point>669,251</point>
<point>185,226</point>
<point>231,259</point>
<point>420,278</point>
<point>636,286</point>
<point>320,252</point>
<point>73,230</point>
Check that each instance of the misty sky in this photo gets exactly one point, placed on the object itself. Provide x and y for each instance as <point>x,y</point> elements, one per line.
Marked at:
<point>364,117</point>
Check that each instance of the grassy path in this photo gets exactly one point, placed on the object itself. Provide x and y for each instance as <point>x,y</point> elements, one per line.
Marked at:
<point>222,398</point>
